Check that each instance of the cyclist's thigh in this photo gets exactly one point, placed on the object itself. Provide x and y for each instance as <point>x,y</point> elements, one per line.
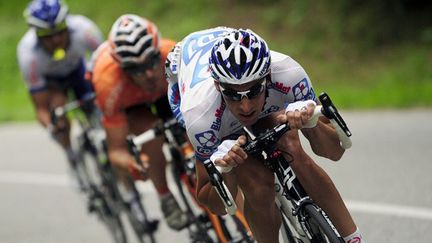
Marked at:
<point>255,179</point>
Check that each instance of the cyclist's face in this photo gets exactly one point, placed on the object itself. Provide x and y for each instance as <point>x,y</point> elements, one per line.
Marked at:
<point>57,40</point>
<point>252,99</point>
<point>149,75</point>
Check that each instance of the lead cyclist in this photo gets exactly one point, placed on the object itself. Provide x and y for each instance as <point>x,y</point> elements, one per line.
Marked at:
<point>222,79</point>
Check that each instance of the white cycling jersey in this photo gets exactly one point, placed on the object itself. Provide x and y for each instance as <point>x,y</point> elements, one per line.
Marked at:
<point>35,63</point>
<point>199,106</point>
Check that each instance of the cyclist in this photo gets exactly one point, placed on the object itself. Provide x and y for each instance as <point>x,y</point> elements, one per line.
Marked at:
<point>128,76</point>
<point>222,79</point>
<point>51,57</point>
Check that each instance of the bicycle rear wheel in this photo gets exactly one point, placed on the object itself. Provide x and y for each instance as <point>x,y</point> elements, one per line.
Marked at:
<point>318,226</point>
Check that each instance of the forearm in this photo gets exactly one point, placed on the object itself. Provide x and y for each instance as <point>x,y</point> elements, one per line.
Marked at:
<point>324,141</point>
<point>43,116</point>
<point>119,158</point>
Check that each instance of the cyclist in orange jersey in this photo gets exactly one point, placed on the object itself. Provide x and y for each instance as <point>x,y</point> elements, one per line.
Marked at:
<point>128,76</point>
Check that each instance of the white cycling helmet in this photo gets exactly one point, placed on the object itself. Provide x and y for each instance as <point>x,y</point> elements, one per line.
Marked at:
<point>133,39</point>
<point>239,57</point>
<point>46,14</point>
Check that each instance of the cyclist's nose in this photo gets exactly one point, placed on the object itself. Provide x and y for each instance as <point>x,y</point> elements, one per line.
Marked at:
<point>246,105</point>
<point>56,40</point>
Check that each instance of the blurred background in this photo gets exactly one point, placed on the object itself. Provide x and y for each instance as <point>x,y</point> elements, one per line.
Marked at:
<point>365,54</point>
<point>374,58</point>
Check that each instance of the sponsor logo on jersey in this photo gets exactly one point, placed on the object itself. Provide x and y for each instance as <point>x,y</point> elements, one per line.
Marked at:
<point>281,87</point>
<point>195,52</point>
<point>302,91</point>
<point>208,141</point>
<point>216,125</point>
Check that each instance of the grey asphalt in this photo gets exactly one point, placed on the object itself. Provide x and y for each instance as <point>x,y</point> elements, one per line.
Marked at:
<point>384,179</point>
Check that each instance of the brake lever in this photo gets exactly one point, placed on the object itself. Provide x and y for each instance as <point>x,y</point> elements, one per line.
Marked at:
<point>134,150</point>
<point>216,180</point>
<point>329,110</point>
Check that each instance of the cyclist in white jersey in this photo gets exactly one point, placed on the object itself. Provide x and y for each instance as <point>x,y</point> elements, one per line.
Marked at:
<point>222,79</point>
<point>52,59</point>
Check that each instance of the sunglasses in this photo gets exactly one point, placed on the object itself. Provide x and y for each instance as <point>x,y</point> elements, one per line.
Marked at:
<point>251,93</point>
<point>46,33</point>
<point>151,63</point>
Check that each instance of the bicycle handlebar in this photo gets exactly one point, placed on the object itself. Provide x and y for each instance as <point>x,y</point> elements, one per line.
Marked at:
<point>62,110</point>
<point>135,142</point>
<point>150,134</point>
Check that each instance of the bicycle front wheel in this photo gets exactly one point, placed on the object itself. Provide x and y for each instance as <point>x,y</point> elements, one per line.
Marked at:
<point>319,227</point>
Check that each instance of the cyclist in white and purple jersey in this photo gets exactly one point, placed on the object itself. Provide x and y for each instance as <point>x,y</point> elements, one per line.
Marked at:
<point>222,79</point>
<point>52,59</point>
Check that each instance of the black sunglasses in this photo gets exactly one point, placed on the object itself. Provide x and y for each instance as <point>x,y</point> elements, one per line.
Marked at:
<point>251,93</point>
<point>151,63</point>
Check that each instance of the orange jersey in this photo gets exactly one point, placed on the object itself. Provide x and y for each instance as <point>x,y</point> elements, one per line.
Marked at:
<point>115,91</point>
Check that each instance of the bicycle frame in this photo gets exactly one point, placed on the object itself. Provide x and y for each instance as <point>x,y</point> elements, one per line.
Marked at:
<point>177,149</point>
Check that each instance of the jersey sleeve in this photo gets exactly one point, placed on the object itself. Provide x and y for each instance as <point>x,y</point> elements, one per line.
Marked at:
<point>303,89</point>
<point>205,142</point>
<point>172,66</point>
<point>290,78</point>
<point>93,36</point>
<point>29,67</point>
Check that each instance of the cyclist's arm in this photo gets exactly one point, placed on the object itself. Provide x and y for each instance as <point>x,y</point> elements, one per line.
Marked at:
<point>41,101</point>
<point>324,140</point>
<point>118,152</point>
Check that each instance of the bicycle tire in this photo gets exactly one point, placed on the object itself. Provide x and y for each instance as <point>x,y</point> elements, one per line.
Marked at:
<point>109,216</point>
<point>104,206</point>
<point>318,226</point>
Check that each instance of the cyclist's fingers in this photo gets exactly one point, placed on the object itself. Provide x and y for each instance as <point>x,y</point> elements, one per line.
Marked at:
<point>238,152</point>
<point>281,118</point>
<point>222,163</point>
<point>144,160</point>
<point>304,116</point>
<point>294,119</point>
<point>235,158</point>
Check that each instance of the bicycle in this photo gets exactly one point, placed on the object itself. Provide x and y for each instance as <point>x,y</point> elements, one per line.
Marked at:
<point>302,219</point>
<point>93,169</point>
<point>203,226</point>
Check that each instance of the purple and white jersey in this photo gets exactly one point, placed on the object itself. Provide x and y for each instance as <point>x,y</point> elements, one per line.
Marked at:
<point>199,106</point>
<point>35,64</point>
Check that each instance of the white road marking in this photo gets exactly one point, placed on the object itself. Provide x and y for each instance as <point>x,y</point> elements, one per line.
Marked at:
<point>34,178</point>
<point>64,180</point>
<point>390,210</point>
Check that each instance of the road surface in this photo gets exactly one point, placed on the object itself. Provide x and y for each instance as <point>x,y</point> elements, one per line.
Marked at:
<point>384,179</point>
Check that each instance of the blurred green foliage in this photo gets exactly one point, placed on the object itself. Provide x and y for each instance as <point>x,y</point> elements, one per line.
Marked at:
<point>364,53</point>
